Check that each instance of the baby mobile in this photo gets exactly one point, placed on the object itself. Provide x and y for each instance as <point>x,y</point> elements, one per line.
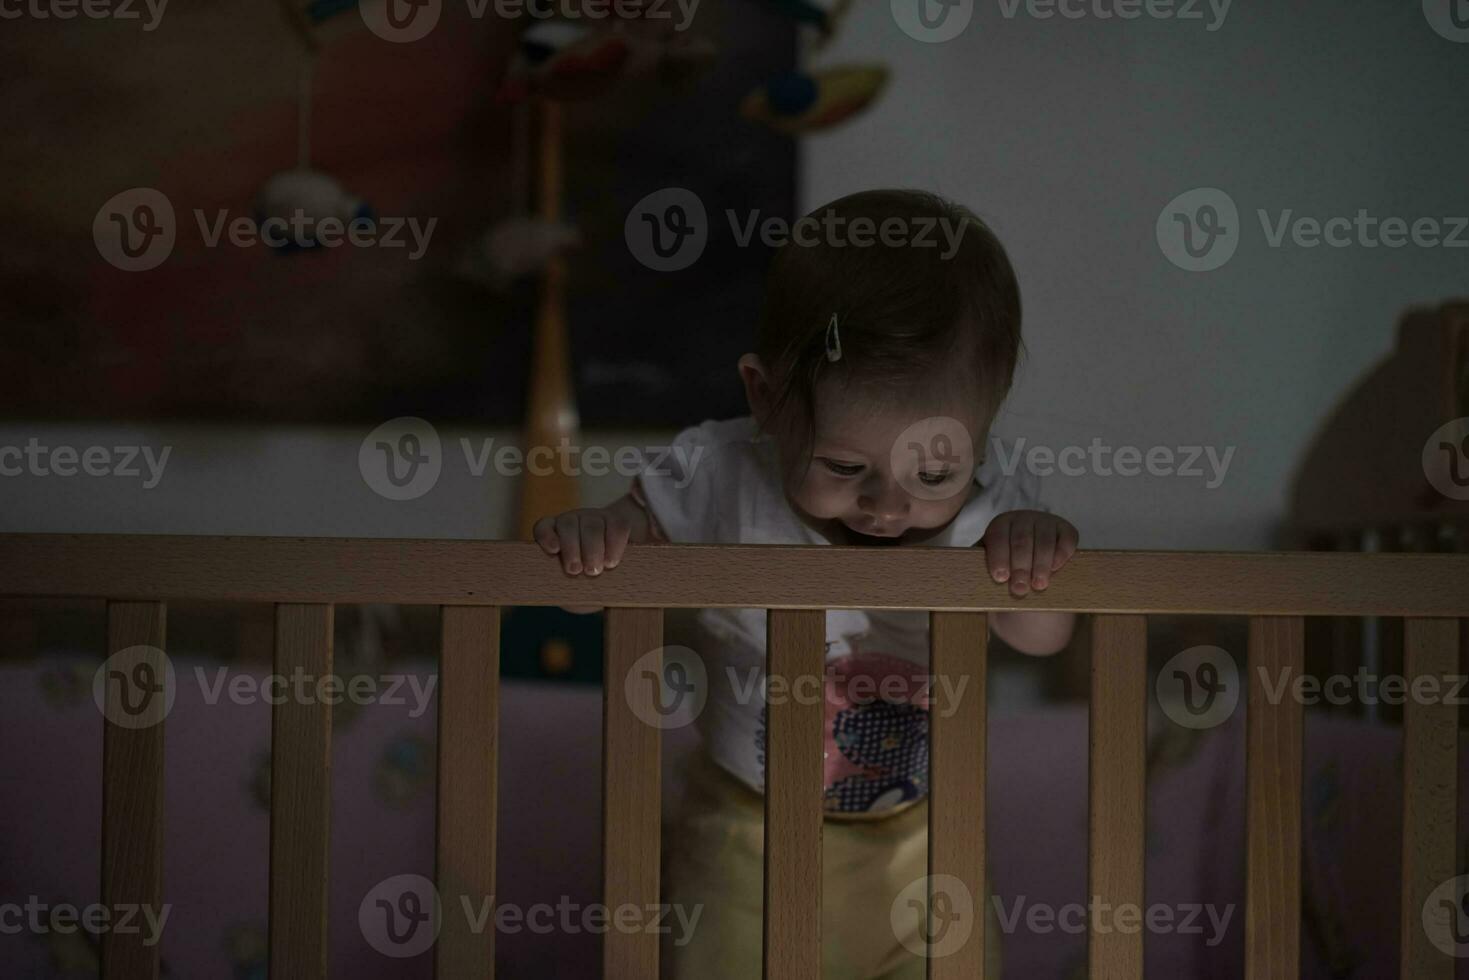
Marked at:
<point>304,191</point>
<point>800,101</point>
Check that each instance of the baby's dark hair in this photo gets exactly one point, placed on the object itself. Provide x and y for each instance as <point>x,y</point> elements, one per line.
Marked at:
<point>911,305</point>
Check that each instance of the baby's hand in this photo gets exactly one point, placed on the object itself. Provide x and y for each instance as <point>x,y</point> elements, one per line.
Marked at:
<point>592,538</point>
<point>1026,547</point>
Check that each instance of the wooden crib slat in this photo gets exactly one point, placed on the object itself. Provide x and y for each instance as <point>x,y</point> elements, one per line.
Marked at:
<point>1430,789</point>
<point>300,796</point>
<point>956,809</point>
<point>1117,789</point>
<point>132,784</point>
<point>796,646</point>
<point>631,787</point>
<point>469,725</point>
<point>1273,752</point>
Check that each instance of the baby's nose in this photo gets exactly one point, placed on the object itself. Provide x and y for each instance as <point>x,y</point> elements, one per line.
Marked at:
<point>887,504</point>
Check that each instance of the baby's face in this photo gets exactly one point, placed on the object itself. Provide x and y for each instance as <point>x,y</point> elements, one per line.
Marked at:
<point>889,475</point>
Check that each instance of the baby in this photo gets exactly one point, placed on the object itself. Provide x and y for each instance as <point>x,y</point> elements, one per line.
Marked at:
<point>880,365</point>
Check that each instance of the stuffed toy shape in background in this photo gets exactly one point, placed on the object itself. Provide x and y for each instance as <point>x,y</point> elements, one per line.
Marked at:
<point>292,202</point>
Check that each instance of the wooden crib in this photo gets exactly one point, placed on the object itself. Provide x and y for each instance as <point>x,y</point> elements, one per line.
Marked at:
<point>472,580</point>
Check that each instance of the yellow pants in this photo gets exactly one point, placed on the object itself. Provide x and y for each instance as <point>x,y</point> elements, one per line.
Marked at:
<point>714,858</point>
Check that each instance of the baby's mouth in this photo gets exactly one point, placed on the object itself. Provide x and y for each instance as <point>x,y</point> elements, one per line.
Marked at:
<point>879,541</point>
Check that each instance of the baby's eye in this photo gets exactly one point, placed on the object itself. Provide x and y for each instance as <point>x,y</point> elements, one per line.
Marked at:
<point>934,479</point>
<point>843,469</point>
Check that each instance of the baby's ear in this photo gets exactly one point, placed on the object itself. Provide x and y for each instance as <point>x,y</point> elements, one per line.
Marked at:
<point>758,391</point>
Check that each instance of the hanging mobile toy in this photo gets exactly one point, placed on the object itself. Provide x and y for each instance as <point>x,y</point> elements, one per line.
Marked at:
<point>290,203</point>
<point>568,61</point>
<point>801,102</point>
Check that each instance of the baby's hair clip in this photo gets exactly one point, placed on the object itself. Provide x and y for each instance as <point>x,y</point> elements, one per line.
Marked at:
<point>833,340</point>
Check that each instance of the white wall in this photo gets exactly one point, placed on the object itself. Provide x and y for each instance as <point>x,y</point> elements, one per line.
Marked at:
<point>277,481</point>
<point>1070,136</point>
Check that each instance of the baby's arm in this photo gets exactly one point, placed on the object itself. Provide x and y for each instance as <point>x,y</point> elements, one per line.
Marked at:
<point>1025,548</point>
<point>591,539</point>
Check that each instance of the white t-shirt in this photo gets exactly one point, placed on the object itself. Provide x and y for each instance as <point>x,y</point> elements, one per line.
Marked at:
<point>721,485</point>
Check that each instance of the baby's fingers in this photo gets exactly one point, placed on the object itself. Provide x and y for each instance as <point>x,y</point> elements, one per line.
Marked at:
<point>997,548</point>
<point>593,543</point>
<point>568,531</point>
<point>1067,540</point>
<point>1045,551</point>
<point>545,535</point>
<point>1022,545</point>
<point>619,532</point>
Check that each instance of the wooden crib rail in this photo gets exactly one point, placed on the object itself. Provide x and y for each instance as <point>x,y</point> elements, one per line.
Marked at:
<point>503,573</point>
<point>471,580</point>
